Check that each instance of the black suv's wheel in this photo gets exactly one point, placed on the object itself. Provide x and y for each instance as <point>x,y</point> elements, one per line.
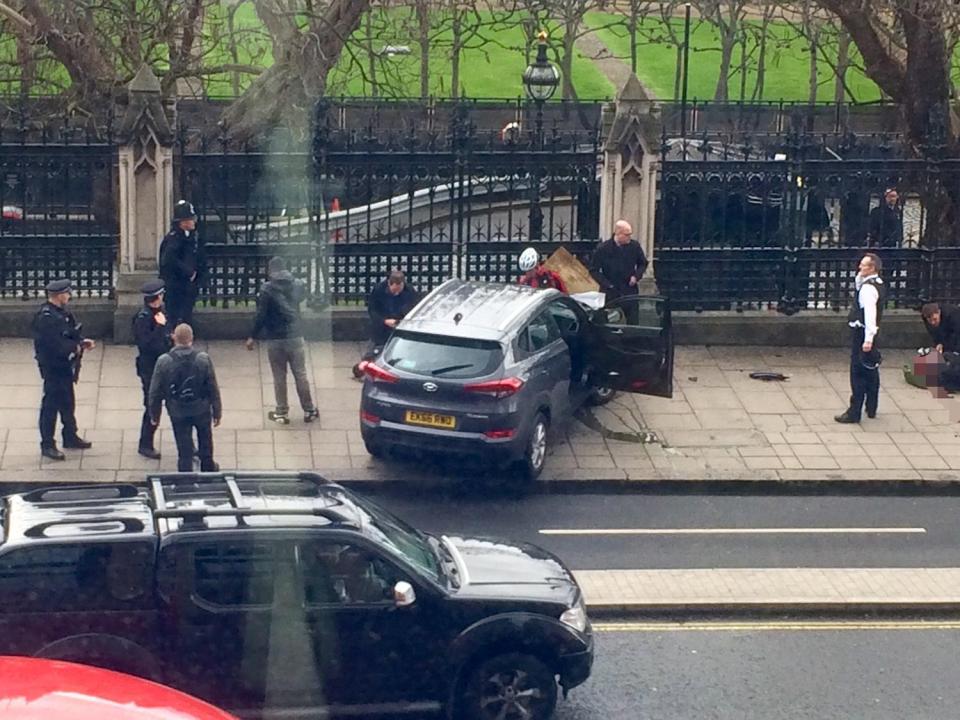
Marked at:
<point>374,448</point>
<point>601,395</point>
<point>535,455</point>
<point>509,687</point>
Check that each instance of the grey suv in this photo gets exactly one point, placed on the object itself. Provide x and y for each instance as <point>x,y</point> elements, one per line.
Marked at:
<point>486,369</point>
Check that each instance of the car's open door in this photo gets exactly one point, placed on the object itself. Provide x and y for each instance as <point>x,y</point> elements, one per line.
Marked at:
<point>632,345</point>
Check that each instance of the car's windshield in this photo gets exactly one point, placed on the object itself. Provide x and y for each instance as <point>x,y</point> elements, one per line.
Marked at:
<point>405,540</point>
<point>437,355</point>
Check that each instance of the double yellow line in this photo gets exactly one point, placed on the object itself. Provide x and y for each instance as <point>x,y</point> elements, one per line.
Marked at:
<point>775,626</point>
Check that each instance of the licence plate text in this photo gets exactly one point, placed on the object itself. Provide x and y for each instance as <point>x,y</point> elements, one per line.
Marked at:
<point>415,417</point>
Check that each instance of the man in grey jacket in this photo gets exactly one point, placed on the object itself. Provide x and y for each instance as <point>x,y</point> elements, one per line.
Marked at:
<point>185,380</point>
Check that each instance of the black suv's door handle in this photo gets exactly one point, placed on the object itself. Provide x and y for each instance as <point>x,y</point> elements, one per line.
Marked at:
<point>617,331</point>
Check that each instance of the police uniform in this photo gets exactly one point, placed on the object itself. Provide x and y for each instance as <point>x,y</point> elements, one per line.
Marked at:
<point>182,266</point>
<point>864,322</point>
<point>58,347</point>
<point>153,340</point>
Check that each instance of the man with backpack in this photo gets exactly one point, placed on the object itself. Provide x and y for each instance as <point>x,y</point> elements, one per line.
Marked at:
<point>185,380</point>
<point>278,322</point>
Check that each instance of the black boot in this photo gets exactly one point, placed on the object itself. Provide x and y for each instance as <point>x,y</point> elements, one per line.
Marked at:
<point>77,443</point>
<point>51,452</point>
<point>846,417</point>
<point>149,452</point>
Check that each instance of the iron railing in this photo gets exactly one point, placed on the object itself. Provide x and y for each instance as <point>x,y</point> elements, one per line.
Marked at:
<point>57,191</point>
<point>348,206</point>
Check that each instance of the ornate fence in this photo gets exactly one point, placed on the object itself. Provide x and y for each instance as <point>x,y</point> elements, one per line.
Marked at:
<point>347,206</point>
<point>786,231</point>
<point>59,218</point>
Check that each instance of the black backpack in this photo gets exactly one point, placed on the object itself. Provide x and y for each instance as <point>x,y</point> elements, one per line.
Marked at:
<point>186,382</point>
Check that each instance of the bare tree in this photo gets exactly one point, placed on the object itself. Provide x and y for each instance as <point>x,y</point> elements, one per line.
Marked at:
<point>727,17</point>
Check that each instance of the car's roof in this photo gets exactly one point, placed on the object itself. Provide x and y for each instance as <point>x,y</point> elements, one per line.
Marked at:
<point>33,688</point>
<point>174,502</point>
<point>478,310</point>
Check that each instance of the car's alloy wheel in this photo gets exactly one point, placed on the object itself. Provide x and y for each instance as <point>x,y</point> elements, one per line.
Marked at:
<point>602,395</point>
<point>536,454</point>
<point>511,687</point>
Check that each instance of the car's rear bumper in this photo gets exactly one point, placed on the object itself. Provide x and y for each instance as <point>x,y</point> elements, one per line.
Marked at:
<point>388,435</point>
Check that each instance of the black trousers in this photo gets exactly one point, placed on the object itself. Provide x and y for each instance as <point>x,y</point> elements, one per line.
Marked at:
<point>58,399</point>
<point>178,305</point>
<point>147,429</point>
<point>183,428</point>
<point>864,383</point>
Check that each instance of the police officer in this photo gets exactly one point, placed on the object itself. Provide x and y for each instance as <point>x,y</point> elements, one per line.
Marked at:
<point>182,264</point>
<point>864,322</point>
<point>152,335</point>
<point>58,346</point>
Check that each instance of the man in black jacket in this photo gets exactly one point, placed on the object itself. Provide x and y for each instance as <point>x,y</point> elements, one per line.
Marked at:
<point>185,380</point>
<point>886,222</point>
<point>387,304</point>
<point>619,263</point>
<point>58,346</point>
<point>182,264</point>
<point>278,322</point>
<point>152,335</point>
<point>943,324</point>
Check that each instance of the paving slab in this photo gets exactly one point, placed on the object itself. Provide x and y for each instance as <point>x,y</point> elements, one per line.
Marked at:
<point>720,424</point>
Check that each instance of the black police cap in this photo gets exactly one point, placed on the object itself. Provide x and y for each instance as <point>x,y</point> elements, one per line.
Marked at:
<point>183,210</point>
<point>59,286</point>
<point>152,289</point>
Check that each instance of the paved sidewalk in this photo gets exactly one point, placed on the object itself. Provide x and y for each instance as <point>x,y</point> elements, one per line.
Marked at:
<point>611,591</point>
<point>720,424</point>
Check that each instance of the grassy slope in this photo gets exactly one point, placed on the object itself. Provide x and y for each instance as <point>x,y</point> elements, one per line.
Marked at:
<point>787,63</point>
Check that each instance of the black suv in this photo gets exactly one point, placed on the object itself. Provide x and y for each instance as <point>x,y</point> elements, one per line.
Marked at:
<point>276,595</point>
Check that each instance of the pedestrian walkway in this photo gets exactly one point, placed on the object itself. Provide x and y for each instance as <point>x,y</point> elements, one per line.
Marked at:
<point>612,591</point>
<point>720,424</point>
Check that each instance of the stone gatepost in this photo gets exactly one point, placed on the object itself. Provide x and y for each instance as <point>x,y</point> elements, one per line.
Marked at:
<point>631,151</point>
<point>146,193</point>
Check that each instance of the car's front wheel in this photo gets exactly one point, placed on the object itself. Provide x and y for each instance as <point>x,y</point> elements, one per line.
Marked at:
<point>513,686</point>
<point>601,395</point>
<point>535,455</point>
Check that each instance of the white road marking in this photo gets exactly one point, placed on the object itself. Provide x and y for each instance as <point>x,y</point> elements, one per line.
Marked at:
<point>736,531</point>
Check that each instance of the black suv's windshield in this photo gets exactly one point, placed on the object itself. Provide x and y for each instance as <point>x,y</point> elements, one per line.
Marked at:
<point>411,544</point>
<point>440,356</point>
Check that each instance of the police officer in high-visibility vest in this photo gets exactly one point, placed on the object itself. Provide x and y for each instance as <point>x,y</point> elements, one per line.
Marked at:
<point>864,321</point>
<point>151,332</point>
<point>58,345</point>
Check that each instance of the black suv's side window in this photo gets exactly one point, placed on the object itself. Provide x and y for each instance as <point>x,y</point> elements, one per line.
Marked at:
<point>539,332</point>
<point>337,573</point>
<point>228,574</point>
<point>566,318</point>
<point>75,577</point>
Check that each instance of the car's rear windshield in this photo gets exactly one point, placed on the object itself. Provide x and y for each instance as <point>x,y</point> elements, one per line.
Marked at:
<point>441,356</point>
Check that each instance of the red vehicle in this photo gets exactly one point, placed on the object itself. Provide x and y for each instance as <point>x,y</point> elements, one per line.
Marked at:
<point>35,689</point>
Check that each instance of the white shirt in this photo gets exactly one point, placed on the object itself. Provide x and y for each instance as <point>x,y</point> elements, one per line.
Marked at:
<point>867,298</point>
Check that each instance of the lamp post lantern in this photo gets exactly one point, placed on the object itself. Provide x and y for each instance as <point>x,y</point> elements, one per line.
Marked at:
<point>540,79</point>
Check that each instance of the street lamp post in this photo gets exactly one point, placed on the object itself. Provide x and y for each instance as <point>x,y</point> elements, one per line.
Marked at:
<point>540,80</point>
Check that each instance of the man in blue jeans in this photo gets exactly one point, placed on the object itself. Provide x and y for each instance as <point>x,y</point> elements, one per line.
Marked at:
<point>278,322</point>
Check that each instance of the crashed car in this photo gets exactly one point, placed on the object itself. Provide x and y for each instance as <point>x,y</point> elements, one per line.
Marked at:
<point>488,370</point>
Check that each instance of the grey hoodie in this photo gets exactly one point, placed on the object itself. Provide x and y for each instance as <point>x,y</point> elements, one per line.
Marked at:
<point>206,388</point>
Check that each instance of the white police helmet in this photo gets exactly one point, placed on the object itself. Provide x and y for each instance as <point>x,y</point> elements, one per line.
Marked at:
<point>529,259</point>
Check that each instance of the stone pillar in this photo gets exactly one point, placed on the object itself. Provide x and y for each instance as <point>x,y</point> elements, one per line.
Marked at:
<point>146,192</point>
<point>631,151</point>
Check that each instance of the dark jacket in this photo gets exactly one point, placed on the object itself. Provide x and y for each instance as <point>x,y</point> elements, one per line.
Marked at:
<point>56,340</point>
<point>886,226</point>
<point>278,308</point>
<point>613,265</point>
<point>947,332</point>
<point>382,305</point>
<point>152,338</point>
<point>203,382</point>
<point>181,255</point>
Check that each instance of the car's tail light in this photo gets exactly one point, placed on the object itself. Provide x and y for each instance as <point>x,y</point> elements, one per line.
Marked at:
<point>377,373</point>
<point>500,434</point>
<point>497,388</point>
<point>369,417</point>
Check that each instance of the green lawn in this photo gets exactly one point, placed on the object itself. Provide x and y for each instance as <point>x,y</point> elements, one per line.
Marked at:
<point>492,70</point>
<point>787,63</point>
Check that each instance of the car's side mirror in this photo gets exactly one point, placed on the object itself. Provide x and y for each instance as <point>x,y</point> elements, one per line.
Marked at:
<point>403,594</point>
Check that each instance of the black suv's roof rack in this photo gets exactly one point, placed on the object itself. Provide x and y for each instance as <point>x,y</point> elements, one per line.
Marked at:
<point>74,494</point>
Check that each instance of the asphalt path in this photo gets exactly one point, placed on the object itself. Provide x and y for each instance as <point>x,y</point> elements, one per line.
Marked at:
<point>647,531</point>
<point>765,673</point>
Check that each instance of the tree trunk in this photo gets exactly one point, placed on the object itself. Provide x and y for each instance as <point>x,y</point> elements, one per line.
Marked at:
<point>371,55</point>
<point>743,65</point>
<point>234,49</point>
<point>632,23</point>
<point>678,72</point>
<point>813,79</point>
<point>422,9</point>
<point>761,60</point>
<point>566,62</point>
<point>28,66</point>
<point>456,30</point>
<point>843,62</point>
<point>728,42</point>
